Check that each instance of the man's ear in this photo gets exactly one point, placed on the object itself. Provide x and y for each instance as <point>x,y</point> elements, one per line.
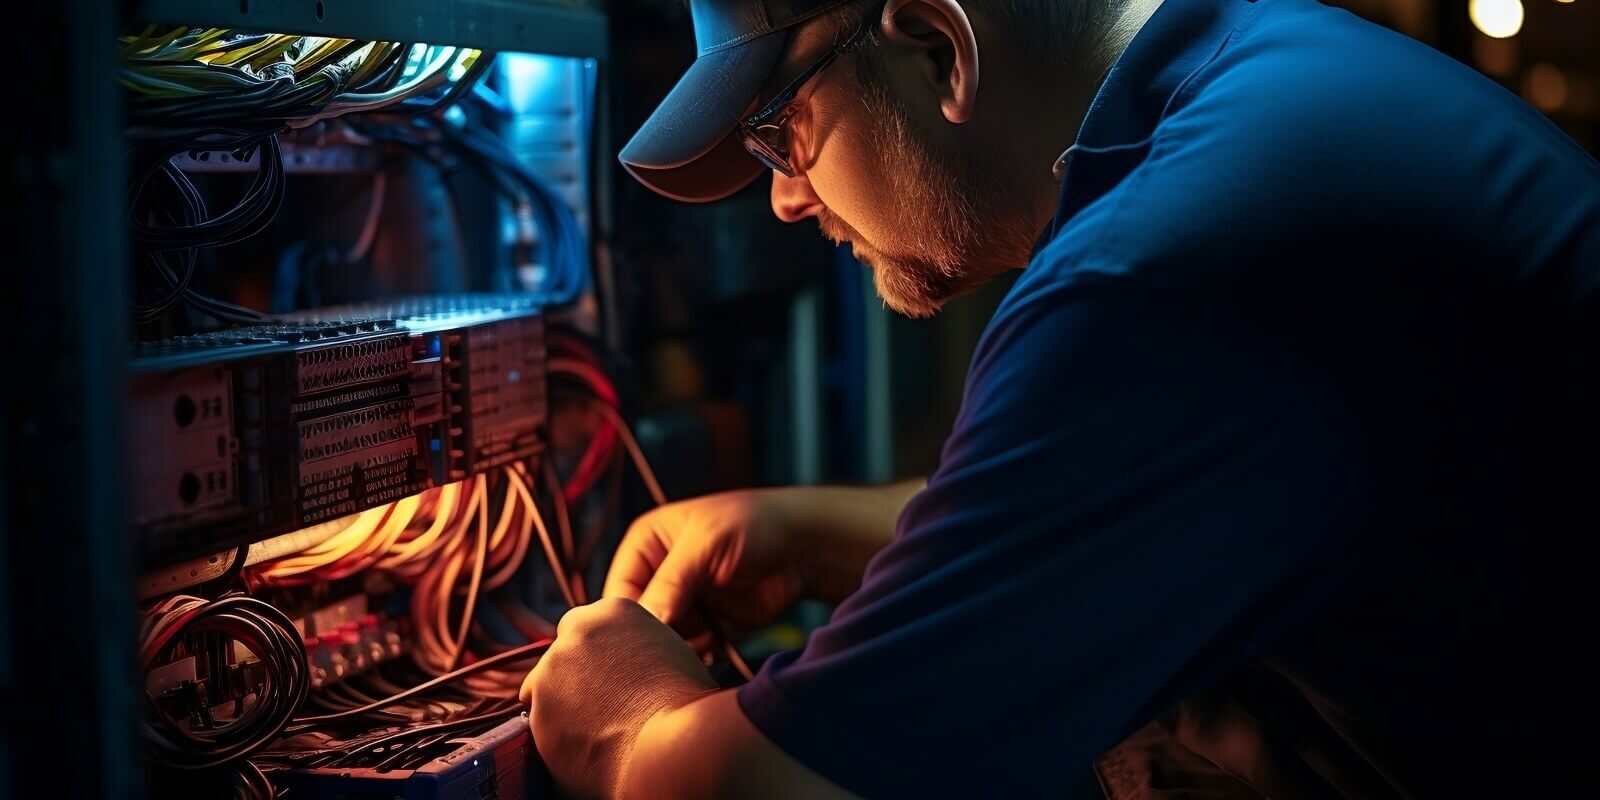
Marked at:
<point>939,32</point>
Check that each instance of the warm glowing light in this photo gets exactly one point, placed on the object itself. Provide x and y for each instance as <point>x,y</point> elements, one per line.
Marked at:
<point>1500,19</point>
<point>1545,87</point>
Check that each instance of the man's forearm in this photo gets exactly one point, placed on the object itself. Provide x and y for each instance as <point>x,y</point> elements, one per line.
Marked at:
<point>841,528</point>
<point>708,748</point>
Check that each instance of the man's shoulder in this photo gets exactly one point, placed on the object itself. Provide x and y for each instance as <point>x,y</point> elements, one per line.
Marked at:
<point>1308,92</point>
<point>1310,130</point>
<point>1297,57</point>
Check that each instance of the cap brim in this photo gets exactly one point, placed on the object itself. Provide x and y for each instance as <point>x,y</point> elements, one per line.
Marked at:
<point>686,150</point>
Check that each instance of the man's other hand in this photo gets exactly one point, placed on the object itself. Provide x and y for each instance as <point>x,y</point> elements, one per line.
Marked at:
<point>612,667</point>
<point>745,556</point>
<point>731,554</point>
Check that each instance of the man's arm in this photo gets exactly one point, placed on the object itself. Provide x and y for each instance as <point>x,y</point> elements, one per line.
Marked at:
<point>620,706</point>
<point>745,556</point>
<point>1140,491</point>
<point>708,748</point>
<point>839,529</point>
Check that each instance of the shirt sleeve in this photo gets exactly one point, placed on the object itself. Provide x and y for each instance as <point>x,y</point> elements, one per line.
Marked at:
<point>1135,496</point>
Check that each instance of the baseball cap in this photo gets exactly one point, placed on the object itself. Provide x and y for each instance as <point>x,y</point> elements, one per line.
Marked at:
<point>688,149</point>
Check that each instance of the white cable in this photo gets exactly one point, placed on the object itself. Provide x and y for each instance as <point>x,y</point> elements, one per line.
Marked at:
<point>369,226</point>
<point>435,73</point>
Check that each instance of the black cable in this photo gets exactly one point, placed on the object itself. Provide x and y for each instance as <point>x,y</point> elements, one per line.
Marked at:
<point>434,727</point>
<point>387,76</point>
<point>177,286</point>
<point>324,700</point>
<point>564,251</point>
<point>724,642</point>
<point>474,668</point>
<point>268,634</point>
<point>250,783</point>
<point>376,681</point>
<point>191,209</point>
<point>253,213</point>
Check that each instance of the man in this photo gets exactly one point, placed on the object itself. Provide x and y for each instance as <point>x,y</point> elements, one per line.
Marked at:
<point>1274,471</point>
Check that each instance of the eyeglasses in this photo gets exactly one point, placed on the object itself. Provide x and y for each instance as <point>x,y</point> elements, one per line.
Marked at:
<point>765,134</point>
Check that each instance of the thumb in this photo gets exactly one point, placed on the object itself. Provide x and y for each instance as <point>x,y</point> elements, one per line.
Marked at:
<point>671,591</point>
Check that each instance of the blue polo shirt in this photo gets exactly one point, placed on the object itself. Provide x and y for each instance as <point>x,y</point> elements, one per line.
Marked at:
<point>1304,376</point>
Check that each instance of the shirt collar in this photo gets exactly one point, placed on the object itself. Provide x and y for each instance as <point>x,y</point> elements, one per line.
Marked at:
<point>1179,38</point>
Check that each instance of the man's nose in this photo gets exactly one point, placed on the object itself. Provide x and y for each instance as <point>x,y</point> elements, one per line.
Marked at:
<point>793,199</point>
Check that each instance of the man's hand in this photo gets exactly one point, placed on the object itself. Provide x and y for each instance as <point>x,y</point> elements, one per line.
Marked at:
<point>732,552</point>
<point>745,556</point>
<point>612,667</point>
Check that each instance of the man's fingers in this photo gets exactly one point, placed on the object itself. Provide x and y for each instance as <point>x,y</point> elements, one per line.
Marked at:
<point>702,641</point>
<point>673,587</point>
<point>638,556</point>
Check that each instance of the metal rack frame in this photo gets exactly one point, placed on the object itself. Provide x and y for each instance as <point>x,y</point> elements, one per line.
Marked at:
<point>67,671</point>
<point>572,28</point>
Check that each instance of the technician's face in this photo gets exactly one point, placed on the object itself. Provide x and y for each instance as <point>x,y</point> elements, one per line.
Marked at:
<point>917,200</point>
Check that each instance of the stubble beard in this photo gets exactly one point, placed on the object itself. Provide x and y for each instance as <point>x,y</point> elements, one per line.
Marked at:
<point>953,229</point>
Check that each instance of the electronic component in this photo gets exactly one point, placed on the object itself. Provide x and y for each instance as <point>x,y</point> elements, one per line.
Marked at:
<point>328,430</point>
<point>184,449</point>
<point>497,764</point>
<point>490,367</point>
<point>382,461</point>
<point>256,431</point>
<point>267,428</point>
<point>344,639</point>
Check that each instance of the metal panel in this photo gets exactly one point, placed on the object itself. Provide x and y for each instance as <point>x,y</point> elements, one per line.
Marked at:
<point>297,159</point>
<point>552,100</point>
<point>68,682</point>
<point>526,26</point>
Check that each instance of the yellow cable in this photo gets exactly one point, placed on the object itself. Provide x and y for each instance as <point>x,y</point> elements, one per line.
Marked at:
<point>331,550</point>
<point>504,522</point>
<point>449,495</point>
<point>524,540</point>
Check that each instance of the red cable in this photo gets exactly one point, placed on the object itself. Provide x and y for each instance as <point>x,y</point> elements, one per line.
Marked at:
<point>604,442</point>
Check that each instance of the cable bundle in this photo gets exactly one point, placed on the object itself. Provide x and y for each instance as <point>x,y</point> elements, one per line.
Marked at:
<point>562,248</point>
<point>254,625</point>
<point>444,545</point>
<point>514,655</point>
<point>215,90</point>
<point>601,399</point>
<point>460,540</point>
<point>166,233</point>
<point>571,358</point>
<point>185,82</point>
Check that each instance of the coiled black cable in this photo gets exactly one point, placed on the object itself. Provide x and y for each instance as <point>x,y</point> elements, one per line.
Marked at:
<point>268,634</point>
